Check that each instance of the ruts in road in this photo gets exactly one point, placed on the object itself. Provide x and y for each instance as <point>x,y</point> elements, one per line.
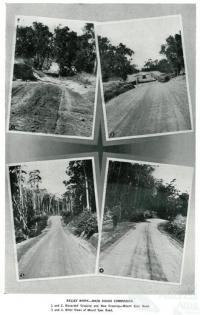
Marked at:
<point>56,254</point>
<point>50,108</point>
<point>150,108</point>
<point>144,253</point>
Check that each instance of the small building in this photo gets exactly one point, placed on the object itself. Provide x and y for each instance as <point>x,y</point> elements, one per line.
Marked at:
<point>141,77</point>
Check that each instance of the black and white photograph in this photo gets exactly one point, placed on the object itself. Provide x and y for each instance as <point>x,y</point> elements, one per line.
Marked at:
<point>55,217</point>
<point>144,221</point>
<point>54,83</point>
<point>144,77</point>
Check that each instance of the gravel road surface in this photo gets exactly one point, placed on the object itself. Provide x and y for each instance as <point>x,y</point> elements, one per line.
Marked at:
<point>144,253</point>
<point>49,107</point>
<point>56,254</point>
<point>150,108</point>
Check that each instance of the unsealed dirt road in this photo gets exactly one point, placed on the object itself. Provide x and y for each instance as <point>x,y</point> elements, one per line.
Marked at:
<point>150,108</point>
<point>50,107</point>
<point>144,253</point>
<point>57,254</point>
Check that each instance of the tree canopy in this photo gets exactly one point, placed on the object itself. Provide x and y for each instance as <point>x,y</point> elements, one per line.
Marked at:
<point>173,51</point>
<point>116,61</point>
<point>32,205</point>
<point>37,45</point>
<point>162,65</point>
<point>173,61</point>
<point>132,191</point>
<point>80,185</point>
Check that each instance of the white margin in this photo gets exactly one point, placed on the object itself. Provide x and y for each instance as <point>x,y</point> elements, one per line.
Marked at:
<point>102,215</point>
<point>10,87</point>
<point>108,139</point>
<point>12,217</point>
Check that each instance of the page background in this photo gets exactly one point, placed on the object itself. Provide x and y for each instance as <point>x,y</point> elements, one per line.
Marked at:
<point>174,149</point>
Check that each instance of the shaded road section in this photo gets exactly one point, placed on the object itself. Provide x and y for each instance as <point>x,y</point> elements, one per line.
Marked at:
<point>57,253</point>
<point>150,108</point>
<point>144,253</point>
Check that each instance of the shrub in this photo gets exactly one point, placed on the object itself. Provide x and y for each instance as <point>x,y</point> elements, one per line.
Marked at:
<point>137,216</point>
<point>20,236</point>
<point>67,217</point>
<point>37,224</point>
<point>23,72</point>
<point>85,224</point>
<point>117,90</point>
<point>177,227</point>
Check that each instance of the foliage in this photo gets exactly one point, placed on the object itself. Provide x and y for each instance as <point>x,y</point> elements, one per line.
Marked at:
<point>71,51</point>
<point>137,215</point>
<point>162,65</point>
<point>66,216</point>
<point>116,89</point>
<point>85,224</point>
<point>65,46</point>
<point>85,59</point>
<point>34,42</point>
<point>81,214</point>
<point>23,71</point>
<point>80,186</point>
<point>174,61</point>
<point>134,194</point>
<point>173,51</point>
<point>115,60</point>
<point>37,224</point>
<point>32,205</point>
<point>29,220</point>
<point>176,227</point>
<point>34,179</point>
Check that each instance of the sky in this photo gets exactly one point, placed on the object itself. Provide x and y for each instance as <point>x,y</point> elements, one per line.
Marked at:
<point>143,36</point>
<point>182,174</point>
<point>52,173</point>
<point>52,23</point>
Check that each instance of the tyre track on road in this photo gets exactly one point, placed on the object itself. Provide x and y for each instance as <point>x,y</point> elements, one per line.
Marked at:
<point>144,253</point>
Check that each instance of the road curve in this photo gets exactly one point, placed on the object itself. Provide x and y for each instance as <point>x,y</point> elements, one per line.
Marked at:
<point>151,108</point>
<point>144,253</point>
<point>57,254</point>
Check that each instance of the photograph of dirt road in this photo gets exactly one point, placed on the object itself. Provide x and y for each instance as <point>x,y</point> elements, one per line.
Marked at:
<point>144,220</point>
<point>54,77</point>
<point>55,218</point>
<point>144,77</point>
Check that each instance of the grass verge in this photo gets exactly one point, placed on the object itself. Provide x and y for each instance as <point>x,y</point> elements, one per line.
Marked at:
<point>110,235</point>
<point>175,232</point>
<point>115,88</point>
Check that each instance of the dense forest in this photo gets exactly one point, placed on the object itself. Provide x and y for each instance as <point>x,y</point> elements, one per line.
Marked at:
<point>117,61</point>
<point>33,205</point>
<point>39,47</point>
<point>134,194</point>
<point>80,189</point>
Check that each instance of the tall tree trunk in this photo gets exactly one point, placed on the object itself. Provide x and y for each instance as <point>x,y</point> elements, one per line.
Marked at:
<point>95,66</point>
<point>117,185</point>
<point>86,190</point>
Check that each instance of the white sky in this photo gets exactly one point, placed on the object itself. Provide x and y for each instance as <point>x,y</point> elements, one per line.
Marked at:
<point>52,173</point>
<point>182,174</point>
<point>52,23</point>
<point>144,37</point>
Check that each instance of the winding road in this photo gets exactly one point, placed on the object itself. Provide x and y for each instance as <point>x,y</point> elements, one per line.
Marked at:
<point>144,253</point>
<point>150,108</point>
<point>56,254</point>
